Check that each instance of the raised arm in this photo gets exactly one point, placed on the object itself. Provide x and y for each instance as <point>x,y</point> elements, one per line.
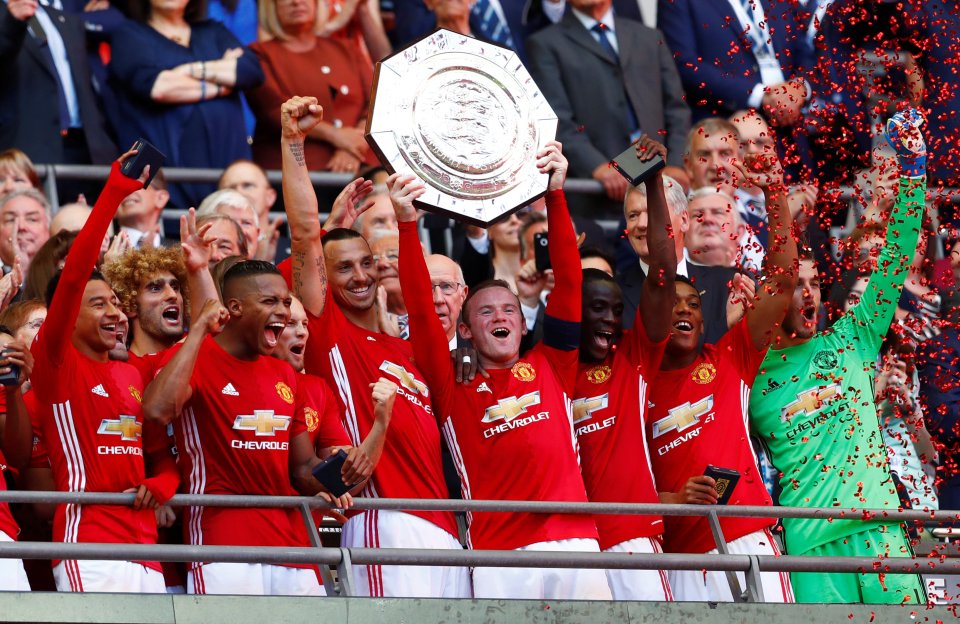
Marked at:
<point>429,341</point>
<point>195,245</point>
<point>658,292</point>
<point>57,330</point>
<point>879,301</point>
<point>564,302</point>
<point>779,279</point>
<point>298,116</point>
<point>170,390</point>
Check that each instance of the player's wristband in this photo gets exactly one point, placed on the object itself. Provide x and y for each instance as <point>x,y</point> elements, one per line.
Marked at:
<point>913,166</point>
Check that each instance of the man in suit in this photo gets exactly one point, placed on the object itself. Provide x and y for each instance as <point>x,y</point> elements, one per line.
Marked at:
<point>734,54</point>
<point>719,287</point>
<point>47,106</point>
<point>609,80</point>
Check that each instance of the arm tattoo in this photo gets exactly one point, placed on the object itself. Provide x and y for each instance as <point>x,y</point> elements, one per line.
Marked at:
<point>296,149</point>
<point>298,260</point>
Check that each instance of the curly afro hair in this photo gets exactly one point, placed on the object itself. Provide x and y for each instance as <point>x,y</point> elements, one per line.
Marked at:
<point>129,273</point>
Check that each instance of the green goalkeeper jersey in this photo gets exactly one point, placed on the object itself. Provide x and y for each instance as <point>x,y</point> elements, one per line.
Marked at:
<point>812,404</point>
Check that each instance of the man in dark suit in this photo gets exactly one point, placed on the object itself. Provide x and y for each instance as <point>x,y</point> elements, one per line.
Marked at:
<point>47,105</point>
<point>735,54</point>
<point>609,80</point>
<point>714,283</point>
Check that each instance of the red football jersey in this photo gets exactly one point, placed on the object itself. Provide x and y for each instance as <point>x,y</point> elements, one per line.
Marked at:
<point>319,414</point>
<point>233,437</point>
<point>89,412</point>
<point>698,416</point>
<point>609,410</point>
<point>510,436</point>
<point>7,524</point>
<point>350,358</point>
<point>146,364</point>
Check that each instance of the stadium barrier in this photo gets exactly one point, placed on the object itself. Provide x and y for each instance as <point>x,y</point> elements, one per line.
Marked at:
<point>343,559</point>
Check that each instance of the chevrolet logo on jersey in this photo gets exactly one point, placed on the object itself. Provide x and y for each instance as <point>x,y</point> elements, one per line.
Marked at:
<point>809,401</point>
<point>126,427</point>
<point>683,416</point>
<point>511,407</point>
<point>408,381</point>
<point>263,422</point>
<point>583,409</point>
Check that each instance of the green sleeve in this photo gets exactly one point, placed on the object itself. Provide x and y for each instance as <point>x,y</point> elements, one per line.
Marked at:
<point>873,314</point>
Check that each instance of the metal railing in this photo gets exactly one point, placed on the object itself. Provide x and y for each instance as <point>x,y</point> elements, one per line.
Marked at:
<point>343,559</point>
<point>577,186</point>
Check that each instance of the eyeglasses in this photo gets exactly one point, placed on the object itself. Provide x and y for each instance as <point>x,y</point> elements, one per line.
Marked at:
<point>447,288</point>
<point>390,256</point>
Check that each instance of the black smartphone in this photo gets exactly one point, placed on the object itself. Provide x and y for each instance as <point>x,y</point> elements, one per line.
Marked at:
<point>541,254</point>
<point>147,154</point>
<point>11,378</point>
<point>726,479</point>
<point>634,169</point>
<point>328,472</point>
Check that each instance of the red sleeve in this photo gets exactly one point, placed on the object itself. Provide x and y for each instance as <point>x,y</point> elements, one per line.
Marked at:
<point>641,351</point>
<point>38,456</point>
<point>746,356</point>
<point>57,330</point>
<point>564,301</point>
<point>427,338</point>
<point>164,477</point>
<point>330,431</point>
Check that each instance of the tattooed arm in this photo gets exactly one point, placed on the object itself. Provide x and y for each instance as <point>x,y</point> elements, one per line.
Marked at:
<point>297,116</point>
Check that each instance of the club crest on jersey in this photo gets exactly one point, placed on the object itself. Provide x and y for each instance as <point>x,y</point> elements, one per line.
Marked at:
<point>135,394</point>
<point>808,402</point>
<point>285,392</point>
<point>826,360</point>
<point>511,407</point>
<point>704,373</point>
<point>406,379</point>
<point>598,374</point>
<point>524,371</point>
<point>312,418</point>
<point>683,416</point>
<point>584,409</point>
<point>263,422</point>
<point>126,427</point>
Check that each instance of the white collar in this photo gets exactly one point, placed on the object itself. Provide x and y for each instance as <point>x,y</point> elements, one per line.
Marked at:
<point>588,21</point>
<point>681,266</point>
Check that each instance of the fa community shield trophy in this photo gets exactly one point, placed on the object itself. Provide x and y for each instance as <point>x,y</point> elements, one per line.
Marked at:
<point>465,117</point>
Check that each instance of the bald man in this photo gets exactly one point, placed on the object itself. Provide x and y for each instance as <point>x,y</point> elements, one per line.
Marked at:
<point>449,292</point>
<point>72,217</point>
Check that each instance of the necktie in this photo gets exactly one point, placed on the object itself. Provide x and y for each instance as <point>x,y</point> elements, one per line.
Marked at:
<point>603,36</point>
<point>491,24</point>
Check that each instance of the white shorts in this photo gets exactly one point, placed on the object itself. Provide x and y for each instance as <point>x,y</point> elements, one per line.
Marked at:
<point>108,576</point>
<point>12,576</point>
<point>253,579</point>
<point>396,529</point>
<point>701,586</point>
<point>639,584</point>
<point>545,583</point>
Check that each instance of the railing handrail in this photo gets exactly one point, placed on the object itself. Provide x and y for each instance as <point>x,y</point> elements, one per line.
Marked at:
<point>470,558</point>
<point>510,506</point>
<point>326,179</point>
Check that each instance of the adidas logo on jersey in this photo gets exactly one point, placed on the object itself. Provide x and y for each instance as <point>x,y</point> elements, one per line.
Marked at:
<point>229,390</point>
<point>483,387</point>
<point>99,391</point>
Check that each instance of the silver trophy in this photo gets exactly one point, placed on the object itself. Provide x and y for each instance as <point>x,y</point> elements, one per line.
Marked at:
<point>464,116</point>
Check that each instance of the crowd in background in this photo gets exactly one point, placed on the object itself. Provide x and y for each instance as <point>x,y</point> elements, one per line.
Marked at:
<point>715,83</point>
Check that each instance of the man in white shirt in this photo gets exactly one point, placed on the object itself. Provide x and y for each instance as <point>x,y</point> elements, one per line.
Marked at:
<point>140,213</point>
